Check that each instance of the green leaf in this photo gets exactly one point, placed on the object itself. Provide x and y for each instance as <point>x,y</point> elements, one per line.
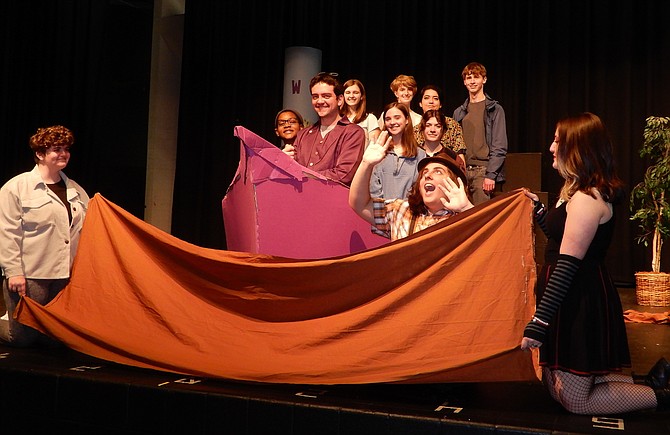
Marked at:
<point>649,199</point>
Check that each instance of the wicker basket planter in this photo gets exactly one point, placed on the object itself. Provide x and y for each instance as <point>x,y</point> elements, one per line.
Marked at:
<point>652,289</point>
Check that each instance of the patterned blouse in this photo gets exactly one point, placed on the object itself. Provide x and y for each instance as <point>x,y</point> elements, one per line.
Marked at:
<point>452,137</point>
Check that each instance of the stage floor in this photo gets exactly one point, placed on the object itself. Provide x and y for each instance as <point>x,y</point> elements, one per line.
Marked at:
<point>62,391</point>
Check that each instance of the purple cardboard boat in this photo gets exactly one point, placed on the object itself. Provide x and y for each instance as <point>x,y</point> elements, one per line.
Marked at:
<point>278,207</point>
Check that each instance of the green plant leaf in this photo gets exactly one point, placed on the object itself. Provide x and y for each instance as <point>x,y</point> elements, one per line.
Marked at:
<point>649,202</point>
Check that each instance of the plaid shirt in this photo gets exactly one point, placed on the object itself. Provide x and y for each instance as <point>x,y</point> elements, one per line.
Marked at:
<point>393,218</point>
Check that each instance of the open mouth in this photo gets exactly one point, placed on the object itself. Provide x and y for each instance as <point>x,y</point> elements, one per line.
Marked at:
<point>429,187</point>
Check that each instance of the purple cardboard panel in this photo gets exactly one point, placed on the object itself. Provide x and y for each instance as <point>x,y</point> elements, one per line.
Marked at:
<point>276,206</point>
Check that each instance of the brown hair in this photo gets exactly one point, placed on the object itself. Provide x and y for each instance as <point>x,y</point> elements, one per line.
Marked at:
<point>409,143</point>
<point>329,79</point>
<point>56,135</point>
<point>474,68</point>
<point>362,107</point>
<point>432,113</point>
<point>585,158</point>
<point>415,200</point>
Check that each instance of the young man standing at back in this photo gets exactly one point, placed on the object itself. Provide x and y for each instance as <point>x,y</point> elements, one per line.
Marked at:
<point>485,134</point>
<point>333,146</point>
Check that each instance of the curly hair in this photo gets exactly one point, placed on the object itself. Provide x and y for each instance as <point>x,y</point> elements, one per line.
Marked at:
<point>56,135</point>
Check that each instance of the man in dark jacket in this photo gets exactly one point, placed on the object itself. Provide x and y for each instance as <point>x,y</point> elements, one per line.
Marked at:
<point>485,134</point>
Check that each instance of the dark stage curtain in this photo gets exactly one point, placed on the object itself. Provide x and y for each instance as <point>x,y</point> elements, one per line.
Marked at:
<point>85,65</point>
<point>546,60</point>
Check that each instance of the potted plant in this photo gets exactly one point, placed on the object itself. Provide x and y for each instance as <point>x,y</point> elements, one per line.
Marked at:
<point>650,206</point>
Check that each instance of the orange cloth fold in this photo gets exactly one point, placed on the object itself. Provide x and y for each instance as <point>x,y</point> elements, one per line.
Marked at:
<point>448,304</point>
<point>640,317</point>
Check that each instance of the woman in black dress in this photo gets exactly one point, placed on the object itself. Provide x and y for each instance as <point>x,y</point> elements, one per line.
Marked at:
<point>578,324</point>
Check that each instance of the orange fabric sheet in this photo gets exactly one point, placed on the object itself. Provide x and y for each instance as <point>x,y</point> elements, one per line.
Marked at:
<point>448,304</point>
<point>644,317</point>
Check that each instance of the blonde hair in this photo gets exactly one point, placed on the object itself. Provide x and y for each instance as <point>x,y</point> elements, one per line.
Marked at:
<point>402,80</point>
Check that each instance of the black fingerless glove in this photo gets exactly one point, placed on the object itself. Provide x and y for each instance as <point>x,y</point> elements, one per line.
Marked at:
<point>540,214</point>
<point>557,287</point>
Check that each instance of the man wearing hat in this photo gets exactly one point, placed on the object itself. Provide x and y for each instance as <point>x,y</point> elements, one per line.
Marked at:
<point>438,193</point>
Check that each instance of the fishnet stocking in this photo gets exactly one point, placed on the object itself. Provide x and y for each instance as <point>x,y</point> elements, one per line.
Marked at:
<point>614,377</point>
<point>611,394</point>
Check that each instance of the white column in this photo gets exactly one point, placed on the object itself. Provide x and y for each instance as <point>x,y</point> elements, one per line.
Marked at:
<point>300,65</point>
<point>166,55</point>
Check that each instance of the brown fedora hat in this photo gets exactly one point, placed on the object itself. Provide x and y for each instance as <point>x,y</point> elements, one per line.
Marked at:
<point>446,160</point>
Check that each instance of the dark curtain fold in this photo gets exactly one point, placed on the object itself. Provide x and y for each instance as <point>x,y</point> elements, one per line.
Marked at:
<point>545,60</point>
<point>85,65</point>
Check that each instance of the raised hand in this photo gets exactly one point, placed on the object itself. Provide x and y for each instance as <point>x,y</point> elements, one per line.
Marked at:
<point>376,151</point>
<point>456,199</point>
